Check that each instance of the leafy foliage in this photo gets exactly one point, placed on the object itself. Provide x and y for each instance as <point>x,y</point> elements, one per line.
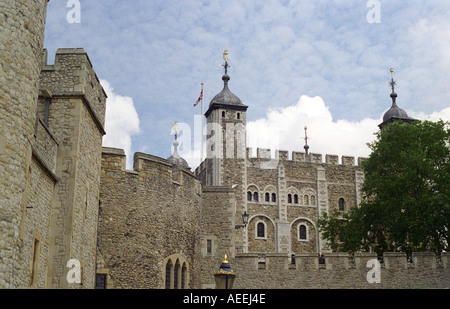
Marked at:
<point>407,194</point>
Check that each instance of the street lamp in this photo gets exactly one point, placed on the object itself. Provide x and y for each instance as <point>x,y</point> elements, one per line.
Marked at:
<point>244,220</point>
<point>224,277</point>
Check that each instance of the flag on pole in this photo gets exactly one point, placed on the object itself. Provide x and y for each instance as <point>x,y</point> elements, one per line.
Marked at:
<point>199,98</point>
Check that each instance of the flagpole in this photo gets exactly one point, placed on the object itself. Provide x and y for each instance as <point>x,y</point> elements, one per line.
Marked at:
<point>201,128</point>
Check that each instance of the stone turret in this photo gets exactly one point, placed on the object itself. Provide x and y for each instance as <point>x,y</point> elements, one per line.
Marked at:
<point>21,41</point>
<point>72,103</point>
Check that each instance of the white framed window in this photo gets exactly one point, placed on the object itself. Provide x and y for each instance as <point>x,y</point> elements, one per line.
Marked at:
<point>260,230</point>
<point>303,232</point>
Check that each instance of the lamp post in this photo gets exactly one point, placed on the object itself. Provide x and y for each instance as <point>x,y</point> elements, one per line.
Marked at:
<point>224,277</point>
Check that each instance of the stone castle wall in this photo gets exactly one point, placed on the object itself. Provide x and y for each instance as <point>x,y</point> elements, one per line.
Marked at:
<point>63,196</point>
<point>291,192</point>
<point>146,216</point>
<point>21,43</point>
<point>217,230</point>
<point>340,271</point>
<point>52,119</point>
<point>71,109</point>
<point>59,203</point>
<point>296,192</point>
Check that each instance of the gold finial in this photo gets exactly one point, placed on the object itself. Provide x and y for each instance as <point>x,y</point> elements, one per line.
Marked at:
<point>225,55</point>
<point>225,65</point>
<point>225,259</point>
<point>174,129</point>
<point>392,83</point>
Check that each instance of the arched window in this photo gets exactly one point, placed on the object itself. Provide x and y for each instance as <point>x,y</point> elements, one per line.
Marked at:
<point>274,197</point>
<point>249,196</point>
<point>238,115</point>
<point>313,200</point>
<point>341,204</point>
<point>302,233</point>
<point>168,274</point>
<point>223,114</point>
<point>261,230</point>
<point>183,276</point>
<point>290,198</point>
<point>295,199</point>
<point>306,199</point>
<point>176,271</point>
<point>267,197</point>
<point>255,196</point>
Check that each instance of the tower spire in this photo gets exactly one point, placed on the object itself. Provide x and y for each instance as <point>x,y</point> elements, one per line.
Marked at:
<point>306,147</point>
<point>392,83</point>
<point>395,112</point>
<point>225,57</point>
<point>175,158</point>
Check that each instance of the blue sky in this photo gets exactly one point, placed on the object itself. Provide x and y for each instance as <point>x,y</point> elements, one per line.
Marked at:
<point>294,63</point>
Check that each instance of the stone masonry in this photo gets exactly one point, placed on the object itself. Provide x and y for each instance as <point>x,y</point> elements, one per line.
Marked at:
<point>21,42</point>
<point>147,215</point>
<point>57,214</point>
<point>161,226</point>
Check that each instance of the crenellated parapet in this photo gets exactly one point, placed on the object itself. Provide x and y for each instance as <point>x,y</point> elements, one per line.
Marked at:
<point>146,166</point>
<point>72,76</point>
<point>146,214</point>
<point>296,156</point>
<point>342,270</point>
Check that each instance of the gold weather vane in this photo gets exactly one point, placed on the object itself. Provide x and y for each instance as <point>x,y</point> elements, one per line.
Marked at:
<point>225,58</point>
<point>174,129</point>
<point>392,83</point>
<point>225,55</point>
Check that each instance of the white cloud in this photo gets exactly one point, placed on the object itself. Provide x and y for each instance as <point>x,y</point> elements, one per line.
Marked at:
<point>278,49</point>
<point>435,116</point>
<point>121,121</point>
<point>284,130</point>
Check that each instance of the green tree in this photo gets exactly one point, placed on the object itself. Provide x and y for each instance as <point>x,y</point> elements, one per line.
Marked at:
<point>406,205</point>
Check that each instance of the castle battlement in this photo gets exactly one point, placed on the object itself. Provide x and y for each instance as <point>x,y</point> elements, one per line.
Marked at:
<point>283,155</point>
<point>72,76</point>
<point>339,260</point>
<point>342,270</point>
<point>264,155</point>
<point>145,165</point>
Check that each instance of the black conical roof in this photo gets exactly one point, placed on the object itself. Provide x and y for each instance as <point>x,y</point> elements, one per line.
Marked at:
<point>394,111</point>
<point>226,99</point>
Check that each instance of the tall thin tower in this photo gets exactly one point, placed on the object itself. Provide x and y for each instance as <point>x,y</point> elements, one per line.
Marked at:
<point>22,24</point>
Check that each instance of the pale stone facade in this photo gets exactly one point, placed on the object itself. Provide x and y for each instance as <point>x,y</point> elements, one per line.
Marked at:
<point>52,119</point>
<point>146,216</point>
<point>21,45</point>
<point>64,198</point>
